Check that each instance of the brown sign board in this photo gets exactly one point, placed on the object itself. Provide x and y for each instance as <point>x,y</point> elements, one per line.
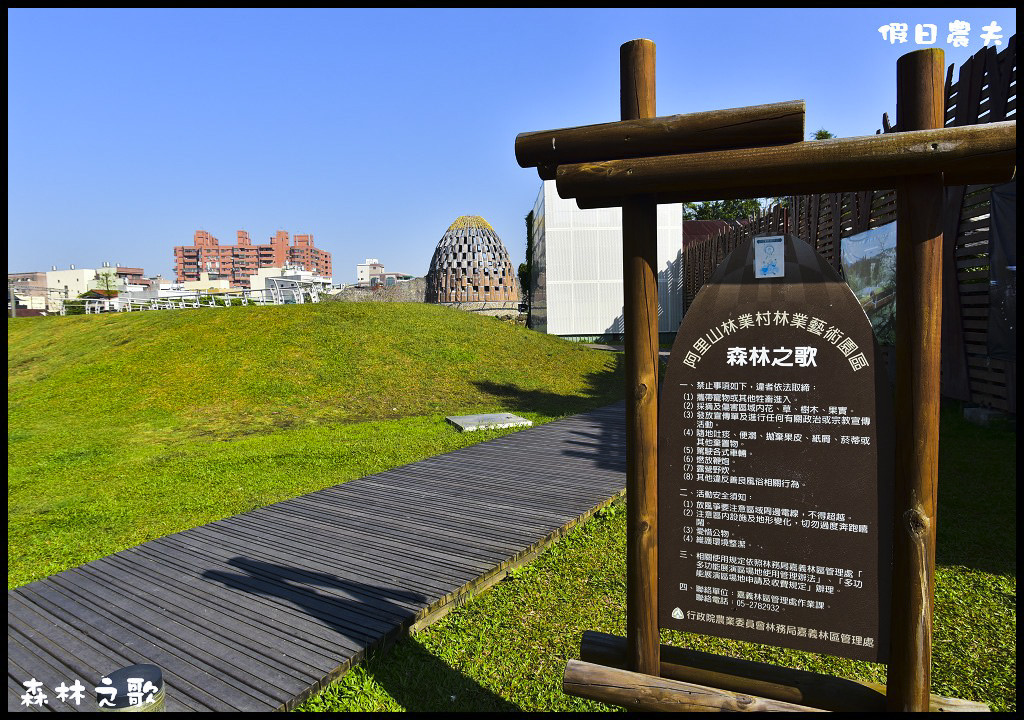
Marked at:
<point>775,460</point>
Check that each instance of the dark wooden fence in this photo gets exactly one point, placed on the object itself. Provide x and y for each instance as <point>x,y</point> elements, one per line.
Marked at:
<point>985,91</point>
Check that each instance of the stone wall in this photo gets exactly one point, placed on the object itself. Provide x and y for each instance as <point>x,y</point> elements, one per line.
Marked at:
<point>412,291</point>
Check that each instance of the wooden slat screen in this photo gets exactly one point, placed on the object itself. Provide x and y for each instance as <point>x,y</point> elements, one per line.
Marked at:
<point>985,91</point>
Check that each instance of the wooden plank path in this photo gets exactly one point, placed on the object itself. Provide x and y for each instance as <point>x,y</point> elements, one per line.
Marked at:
<point>259,610</point>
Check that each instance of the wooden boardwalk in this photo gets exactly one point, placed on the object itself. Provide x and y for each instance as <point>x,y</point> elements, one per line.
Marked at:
<point>259,610</point>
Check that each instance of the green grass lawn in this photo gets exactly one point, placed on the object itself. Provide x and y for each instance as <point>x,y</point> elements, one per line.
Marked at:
<point>507,649</point>
<point>127,427</point>
<point>124,428</point>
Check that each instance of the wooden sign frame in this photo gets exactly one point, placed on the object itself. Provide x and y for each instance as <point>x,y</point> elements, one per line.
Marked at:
<point>984,154</point>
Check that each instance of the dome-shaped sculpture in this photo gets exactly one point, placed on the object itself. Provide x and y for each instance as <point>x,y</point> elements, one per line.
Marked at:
<point>471,265</point>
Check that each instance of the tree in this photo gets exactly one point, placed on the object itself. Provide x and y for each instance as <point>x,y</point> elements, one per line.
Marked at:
<point>106,280</point>
<point>822,134</point>
<point>526,268</point>
<point>721,209</point>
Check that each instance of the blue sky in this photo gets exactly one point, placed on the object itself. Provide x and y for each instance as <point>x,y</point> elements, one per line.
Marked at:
<point>128,130</point>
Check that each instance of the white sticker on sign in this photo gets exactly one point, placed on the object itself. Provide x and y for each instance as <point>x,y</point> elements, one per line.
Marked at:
<point>769,257</point>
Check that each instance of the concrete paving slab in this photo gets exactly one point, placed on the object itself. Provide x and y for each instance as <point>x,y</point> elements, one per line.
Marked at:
<point>488,421</point>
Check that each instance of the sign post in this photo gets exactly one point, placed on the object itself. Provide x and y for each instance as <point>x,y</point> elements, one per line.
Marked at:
<point>640,315</point>
<point>919,202</point>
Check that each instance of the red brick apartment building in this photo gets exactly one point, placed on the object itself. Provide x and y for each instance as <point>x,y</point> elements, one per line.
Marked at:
<point>237,262</point>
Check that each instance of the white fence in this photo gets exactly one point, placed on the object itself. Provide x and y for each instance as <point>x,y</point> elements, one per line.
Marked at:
<point>277,294</point>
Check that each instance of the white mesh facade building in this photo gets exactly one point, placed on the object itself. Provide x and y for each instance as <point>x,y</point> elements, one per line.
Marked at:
<point>577,268</point>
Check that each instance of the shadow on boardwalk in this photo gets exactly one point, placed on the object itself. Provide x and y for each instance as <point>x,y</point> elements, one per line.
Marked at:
<point>605,447</point>
<point>361,613</point>
<point>254,611</point>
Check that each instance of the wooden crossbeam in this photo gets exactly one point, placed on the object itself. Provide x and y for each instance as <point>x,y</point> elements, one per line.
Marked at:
<point>649,693</point>
<point>753,126</point>
<point>976,153</point>
<point>771,682</point>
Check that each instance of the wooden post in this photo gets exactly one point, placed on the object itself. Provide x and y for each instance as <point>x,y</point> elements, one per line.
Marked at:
<point>640,315</point>
<point>919,204</point>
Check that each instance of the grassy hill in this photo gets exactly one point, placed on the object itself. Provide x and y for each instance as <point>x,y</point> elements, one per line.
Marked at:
<point>123,428</point>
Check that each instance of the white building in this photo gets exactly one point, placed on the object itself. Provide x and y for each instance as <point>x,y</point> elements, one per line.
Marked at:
<point>170,289</point>
<point>372,266</point>
<point>29,302</point>
<point>577,276</point>
<point>206,285</point>
<point>73,281</point>
<point>288,276</point>
<point>29,290</point>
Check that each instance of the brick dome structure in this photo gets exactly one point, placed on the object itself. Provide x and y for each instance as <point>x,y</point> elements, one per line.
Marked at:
<point>471,265</point>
